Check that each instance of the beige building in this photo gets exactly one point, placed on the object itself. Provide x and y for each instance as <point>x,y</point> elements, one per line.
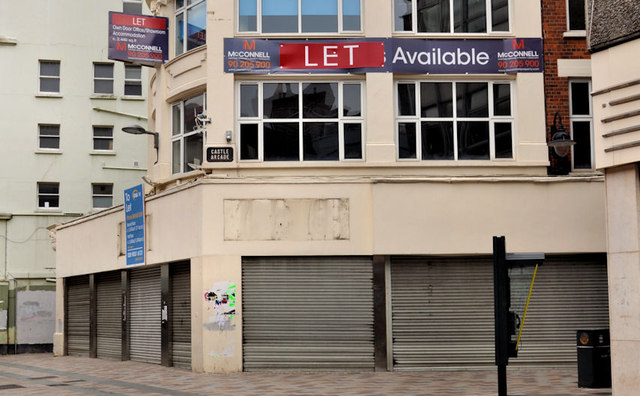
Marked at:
<point>336,219</point>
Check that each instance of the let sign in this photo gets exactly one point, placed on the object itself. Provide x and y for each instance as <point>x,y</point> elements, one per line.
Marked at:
<point>138,39</point>
<point>331,55</point>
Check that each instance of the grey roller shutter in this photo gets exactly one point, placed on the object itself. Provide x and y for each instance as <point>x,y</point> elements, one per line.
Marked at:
<point>181,315</point>
<point>308,314</point>
<point>145,315</point>
<point>78,316</point>
<point>442,313</point>
<point>109,315</point>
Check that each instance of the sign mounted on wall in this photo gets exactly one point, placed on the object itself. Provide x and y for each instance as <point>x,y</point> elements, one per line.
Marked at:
<point>134,225</point>
<point>139,39</point>
<point>408,56</point>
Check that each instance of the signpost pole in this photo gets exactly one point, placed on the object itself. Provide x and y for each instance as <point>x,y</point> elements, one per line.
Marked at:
<point>501,308</point>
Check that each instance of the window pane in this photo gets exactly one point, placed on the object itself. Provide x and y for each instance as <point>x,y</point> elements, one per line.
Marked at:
<point>102,132</point>
<point>175,156</point>
<point>248,101</point>
<point>406,99</point>
<point>179,33</point>
<point>177,119</point>
<point>279,16</point>
<point>132,72</point>
<point>179,4</point>
<point>433,16</point>
<point>352,141</point>
<point>281,141</point>
<point>192,107</point>
<point>192,151</point>
<point>249,141</point>
<point>48,188</point>
<point>407,140</point>
<point>320,100</point>
<point>469,16</point>
<point>319,16</point>
<point>248,16</point>
<point>503,140</point>
<point>49,142</point>
<point>580,98</point>
<point>102,202</point>
<point>196,26</point>
<point>50,69</point>
<point>351,15</point>
<point>102,71</point>
<point>402,15</point>
<point>320,141</point>
<point>436,100</point>
<point>500,15</point>
<point>472,99</point>
<point>102,144</point>
<point>102,189</point>
<point>437,140</point>
<point>501,99</point>
<point>133,88</point>
<point>582,149</point>
<point>49,130</point>
<point>351,100</point>
<point>103,86</point>
<point>49,85</point>
<point>576,15</point>
<point>48,201</point>
<point>281,100</point>
<point>473,140</point>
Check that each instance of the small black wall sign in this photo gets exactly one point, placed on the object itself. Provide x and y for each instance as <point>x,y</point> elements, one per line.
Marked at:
<point>220,154</point>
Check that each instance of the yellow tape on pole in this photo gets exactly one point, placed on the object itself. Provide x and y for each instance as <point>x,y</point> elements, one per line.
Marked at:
<point>524,316</point>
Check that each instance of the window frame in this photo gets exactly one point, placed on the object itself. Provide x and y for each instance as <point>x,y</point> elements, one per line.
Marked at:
<point>341,120</point>
<point>258,30</point>
<point>492,119</point>
<point>488,22</point>
<point>96,79</point>
<point>42,195</point>
<point>94,138</point>
<point>183,10</point>
<point>581,118</point>
<point>182,134</point>
<point>40,136</point>
<point>95,195</point>
<point>42,77</point>
<point>130,81</point>
<point>581,32</point>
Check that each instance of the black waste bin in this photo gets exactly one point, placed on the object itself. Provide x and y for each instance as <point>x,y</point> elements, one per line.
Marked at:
<point>594,358</point>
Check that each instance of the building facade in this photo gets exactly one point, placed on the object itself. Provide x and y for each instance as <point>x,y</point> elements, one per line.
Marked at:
<point>310,218</point>
<point>63,104</point>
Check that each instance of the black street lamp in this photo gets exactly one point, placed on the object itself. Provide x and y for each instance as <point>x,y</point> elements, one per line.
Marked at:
<point>138,130</point>
<point>560,139</point>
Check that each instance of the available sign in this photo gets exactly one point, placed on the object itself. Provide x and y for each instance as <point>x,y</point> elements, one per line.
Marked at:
<point>409,56</point>
<point>140,39</point>
<point>134,225</point>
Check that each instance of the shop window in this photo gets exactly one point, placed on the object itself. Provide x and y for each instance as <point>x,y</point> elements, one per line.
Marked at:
<point>48,137</point>
<point>132,80</point>
<point>299,16</point>
<point>454,120</point>
<point>102,195</point>
<point>451,16</point>
<point>581,124</point>
<point>576,15</point>
<point>48,195</point>
<point>103,138</point>
<point>132,7</point>
<point>103,78</point>
<point>301,121</point>
<point>191,25</point>
<point>187,134</point>
<point>50,76</point>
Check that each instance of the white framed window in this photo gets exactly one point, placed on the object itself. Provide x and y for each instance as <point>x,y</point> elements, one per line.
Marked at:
<point>581,120</point>
<point>187,134</point>
<point>451,16</point>
<point>103,78</point>
<point>576,20</point>
<point>50,76</point>
<point>299,16</point>
<point>132,7</point>
<point>447,120</point>
<point>48,137</point>
<point>132,80</point>
<point>101,195</point>
<point>103,138</point>
<point>48,195</point>
<point>191,25</point>
<point>301,121</point>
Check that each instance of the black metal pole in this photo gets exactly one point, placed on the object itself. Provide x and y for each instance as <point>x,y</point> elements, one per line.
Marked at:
<point>501,309</point>
<point>502,380</point>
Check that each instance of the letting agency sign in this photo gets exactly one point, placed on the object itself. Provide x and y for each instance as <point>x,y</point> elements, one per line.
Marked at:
<point>138,39</point>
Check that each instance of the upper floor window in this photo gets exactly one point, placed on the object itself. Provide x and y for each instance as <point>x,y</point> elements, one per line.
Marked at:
<point>581,128</point>
<point>187,134</point>
<point>301,121</point>
<point>48,136</point>
<point>50,76</point>
<point>103,138</point>
<point>299,16</point>
<point>451,16</point>
<point>48,195</point>
<point>103,78</point>
<point>132,7</point>
<point>132,80</point>
<point>191,24</point>
<point>576,15</point>
<point>102,195</point>
<point>454,120</point>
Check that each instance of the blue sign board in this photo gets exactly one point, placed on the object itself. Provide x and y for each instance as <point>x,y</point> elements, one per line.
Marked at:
<point>134,224</point>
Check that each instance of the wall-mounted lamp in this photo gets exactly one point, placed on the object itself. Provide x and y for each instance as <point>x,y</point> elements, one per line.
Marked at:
<point>138,130</point>
<point>228,135</point>
<point>560,139</point>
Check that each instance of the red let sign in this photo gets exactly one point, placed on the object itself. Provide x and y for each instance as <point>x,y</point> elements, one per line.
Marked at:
<point>331,55</point>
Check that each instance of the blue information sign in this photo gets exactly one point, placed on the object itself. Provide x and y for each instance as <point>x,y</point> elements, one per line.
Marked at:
<point>134,224</point>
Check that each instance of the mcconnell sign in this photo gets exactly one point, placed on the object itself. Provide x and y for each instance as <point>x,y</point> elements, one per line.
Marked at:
<point>411,56</point>
<point>139,39</point>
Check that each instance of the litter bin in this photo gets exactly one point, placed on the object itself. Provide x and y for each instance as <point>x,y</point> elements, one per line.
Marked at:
<point>594,358</point>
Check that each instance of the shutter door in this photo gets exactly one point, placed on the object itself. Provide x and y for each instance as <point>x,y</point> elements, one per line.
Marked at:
<point>78,316</point>
<point>109,315</point>
<point>145,315</point>
<point>181,315</point>
<point>307,314</point>
<point>442,313</point>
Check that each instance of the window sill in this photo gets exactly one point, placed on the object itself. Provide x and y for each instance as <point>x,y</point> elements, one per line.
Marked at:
<point>48,95</point>
<point>575,34</point>
<point>105,152</point>
<point>49,210</point>
<point>103,96</point>
<point>51,151</point>
<point>453,35</point>
<point>132,98</point>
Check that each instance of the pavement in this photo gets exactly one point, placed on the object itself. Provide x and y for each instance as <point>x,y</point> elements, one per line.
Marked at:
<point>44,374</point>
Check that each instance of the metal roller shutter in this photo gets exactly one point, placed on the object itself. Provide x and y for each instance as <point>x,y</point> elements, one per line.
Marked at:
<point>145,315</point>
<point>181,315</point>
<point>78,316</point>
<point>307,314</point>
<point>109,315</point>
